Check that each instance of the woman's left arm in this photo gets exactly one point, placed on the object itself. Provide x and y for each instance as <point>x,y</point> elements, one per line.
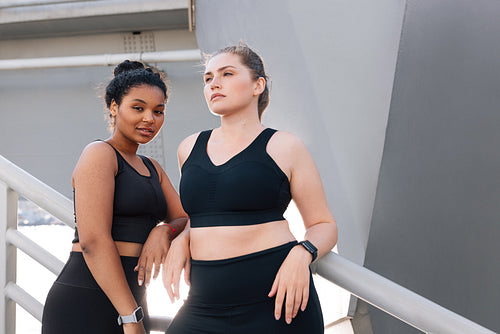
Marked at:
<point>156,247</point>
<point>291,285</point>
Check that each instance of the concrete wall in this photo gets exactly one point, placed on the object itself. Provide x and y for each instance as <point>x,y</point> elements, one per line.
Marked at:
<point>49,115</point>
<point>435,225</point>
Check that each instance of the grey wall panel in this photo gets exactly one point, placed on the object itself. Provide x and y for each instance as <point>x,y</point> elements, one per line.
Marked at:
<point>48,116</point>
<point>332,65</point>
<point>436,219</point>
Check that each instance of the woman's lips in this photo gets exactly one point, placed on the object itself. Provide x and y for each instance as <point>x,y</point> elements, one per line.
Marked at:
<point>216,96</point>
<point>146,131</point>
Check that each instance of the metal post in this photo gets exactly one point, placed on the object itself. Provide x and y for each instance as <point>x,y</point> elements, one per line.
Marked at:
<point>8,258</point>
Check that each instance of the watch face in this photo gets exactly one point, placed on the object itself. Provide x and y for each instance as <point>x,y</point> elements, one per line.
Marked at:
<point>310,248</point>
<point>139,314</point>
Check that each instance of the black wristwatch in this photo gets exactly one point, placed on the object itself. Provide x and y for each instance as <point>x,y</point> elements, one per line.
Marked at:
<point>135,317</point>
<point>310,248</point>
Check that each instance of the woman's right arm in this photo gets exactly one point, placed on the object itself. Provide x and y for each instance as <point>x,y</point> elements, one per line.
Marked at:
<point>93,180</point>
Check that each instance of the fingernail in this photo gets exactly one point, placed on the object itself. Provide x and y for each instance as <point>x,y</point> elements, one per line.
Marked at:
<point>288,320</point>
<point>277,316</point>
<point>140,282</point>
<point>147,284</point>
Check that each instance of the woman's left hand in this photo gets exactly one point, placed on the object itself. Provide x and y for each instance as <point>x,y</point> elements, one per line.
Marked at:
<point>153,253</point>
<point>292,283</point>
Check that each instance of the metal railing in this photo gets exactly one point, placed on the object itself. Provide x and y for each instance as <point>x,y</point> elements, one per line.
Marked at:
<point>380,292</point>
<point>99,60</point>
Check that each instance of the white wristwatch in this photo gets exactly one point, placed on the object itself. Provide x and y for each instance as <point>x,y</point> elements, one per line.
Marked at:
<point>135,317</point>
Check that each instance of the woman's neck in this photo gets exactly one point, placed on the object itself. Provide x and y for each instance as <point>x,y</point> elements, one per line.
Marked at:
<point>238,124</point>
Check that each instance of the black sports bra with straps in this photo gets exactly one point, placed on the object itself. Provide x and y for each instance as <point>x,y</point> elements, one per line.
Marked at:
<point>138,205</point>
<point>248,189</point>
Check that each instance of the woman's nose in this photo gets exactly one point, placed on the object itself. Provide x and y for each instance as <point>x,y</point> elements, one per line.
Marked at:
<point>215,83</point>
<point>148,116</point>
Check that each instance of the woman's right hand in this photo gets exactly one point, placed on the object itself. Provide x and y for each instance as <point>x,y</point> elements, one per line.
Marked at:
<point>153,253</point>
<point>134,328</point>
<point>178,259</point>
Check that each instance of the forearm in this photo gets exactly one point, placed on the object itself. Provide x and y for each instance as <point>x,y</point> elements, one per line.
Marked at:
<point>183,240</point>
<point>323,236</point>
<point>186,229</point>
<point>104,263</point>
<point>178,259</point>
<point>184,235</point>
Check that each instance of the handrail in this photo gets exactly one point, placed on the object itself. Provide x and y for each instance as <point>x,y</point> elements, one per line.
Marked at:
<point>392,298</point>
<point>36,191</point>
<point>21,297</point>
<point>100,60</point>
<point>36,252</point>
<point>382,293</point>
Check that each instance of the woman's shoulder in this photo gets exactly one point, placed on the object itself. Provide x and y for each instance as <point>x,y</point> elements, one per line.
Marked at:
<point>97,158</point>
<point>98,152</point>
<point>189,141</point>
<point>285,140</point>
<point>99,149</point>
<point>185,148</point>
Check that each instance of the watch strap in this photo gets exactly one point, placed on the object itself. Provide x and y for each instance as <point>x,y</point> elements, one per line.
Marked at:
<point>310,248</point>
<point>135,317</point>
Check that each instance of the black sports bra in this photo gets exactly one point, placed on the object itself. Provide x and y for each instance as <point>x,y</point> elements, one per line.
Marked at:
<point>139,203</point>
<point>248,189</point>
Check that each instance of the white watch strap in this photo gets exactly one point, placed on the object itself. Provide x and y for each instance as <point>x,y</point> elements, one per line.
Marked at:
<point>132,318</point>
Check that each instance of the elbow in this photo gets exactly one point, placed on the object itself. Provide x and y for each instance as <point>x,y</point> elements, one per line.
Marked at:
<point>335,236</point>
<point>91,244</point>
<point>333,233</point>
<point>87,246</point>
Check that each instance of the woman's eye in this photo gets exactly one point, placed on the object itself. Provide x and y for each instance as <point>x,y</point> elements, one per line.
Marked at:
<point>207,80</point>
<point>160,112</point>
<point>138,108</point>
<point>228,73</point>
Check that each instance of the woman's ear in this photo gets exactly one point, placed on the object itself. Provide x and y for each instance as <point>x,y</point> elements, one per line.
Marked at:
<point>113,108</point>
<point>260,86</point>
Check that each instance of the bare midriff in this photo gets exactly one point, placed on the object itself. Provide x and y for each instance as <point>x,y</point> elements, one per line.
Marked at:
<point>124,248</point>
<point>223,242</point>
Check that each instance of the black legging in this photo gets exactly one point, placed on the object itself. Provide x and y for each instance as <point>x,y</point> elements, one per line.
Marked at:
<point>230,296</point>
<point>77,305</point>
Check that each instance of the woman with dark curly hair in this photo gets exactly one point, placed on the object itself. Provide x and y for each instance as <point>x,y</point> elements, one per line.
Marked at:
<point>122,201</point>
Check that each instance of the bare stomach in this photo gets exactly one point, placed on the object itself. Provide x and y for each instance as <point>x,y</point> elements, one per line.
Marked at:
<point>124,248</point>
<point>222,242</point>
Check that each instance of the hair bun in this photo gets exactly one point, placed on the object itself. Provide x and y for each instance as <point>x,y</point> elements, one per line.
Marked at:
<point>127,66</point>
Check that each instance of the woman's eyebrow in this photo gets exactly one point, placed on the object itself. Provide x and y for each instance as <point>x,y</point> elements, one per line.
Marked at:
<point>220,69</point>
<point>144,102</point>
